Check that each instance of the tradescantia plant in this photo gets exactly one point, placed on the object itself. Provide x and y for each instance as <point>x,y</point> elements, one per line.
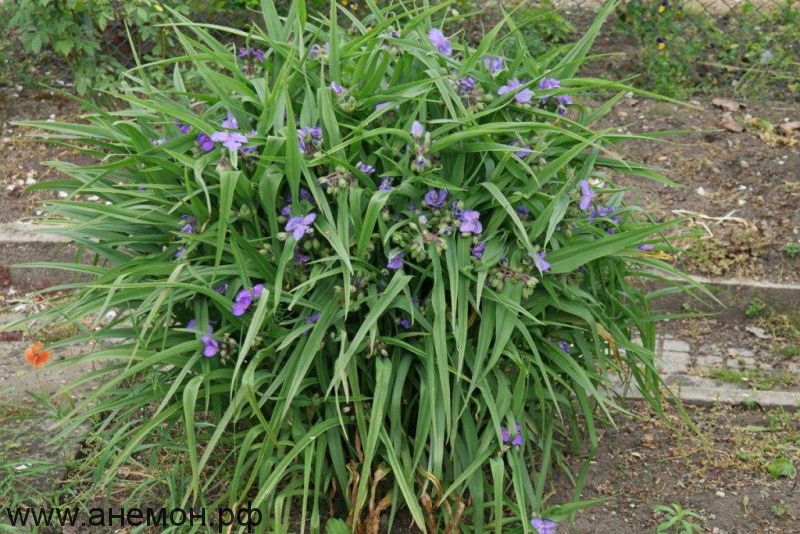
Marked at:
<point>364,269</point>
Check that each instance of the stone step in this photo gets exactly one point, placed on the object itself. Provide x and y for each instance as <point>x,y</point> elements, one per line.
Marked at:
<point>25,243</point>
<point>705,395</point>
<point>688,371</point>
<point>735,295</point>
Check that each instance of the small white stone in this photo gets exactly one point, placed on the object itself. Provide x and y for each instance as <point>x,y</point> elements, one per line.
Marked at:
<point>701,191</point>
<point>720,494</point>
<point>63,194</point>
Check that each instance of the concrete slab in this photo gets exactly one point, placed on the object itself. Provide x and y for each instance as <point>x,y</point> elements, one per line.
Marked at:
<point>25,243</point>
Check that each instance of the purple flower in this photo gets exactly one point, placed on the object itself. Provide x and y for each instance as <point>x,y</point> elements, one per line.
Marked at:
<point>586,195</point>
<point>523,151</point>
<point>417,130</point>
<point>601,212</point>
<point>441,42</point>
<point>470,223</point>
<point>543,526</point>
<point>221,289</point>
<point>309,137</point>
<point>645,248</point>
<point>494,64</point>
<point>305,194</point>
<point>523,97</point>
<point>210,346</point>
<point>183,128</point>
<point>242,302</point>
<point>313,318</point>
<point>205,143</point>
<point>363,167</point>
<point>257,291</point>
<point>549,83</point>
<point>564,100</point>
<point>422,219</point>
<point>300,258</point>
<point>563,345</point>
<point>540,262</point>
<point>230,140</point>
<point>506,435</point>
<point>522,211</point>
<point>386,183</point>
<point>466,85</point>
<point>181,250</point>
<point>243,52</point>
<point>258,54</point>
<point>396,261</point>
<point>244,299</point>
<point>300,226</point>
<point>338,89</point>
<point>478,250</point>
<point>382,106</point>
<point>286,211</point>
<point>230,122</point>
<point>188,228</point>
<point>436,199</point>
<point>317,52</point>
<point>405,324</point>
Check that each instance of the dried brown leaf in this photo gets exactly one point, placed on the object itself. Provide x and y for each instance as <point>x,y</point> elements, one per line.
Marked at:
<point>727,104</point>
<point>730,124</point>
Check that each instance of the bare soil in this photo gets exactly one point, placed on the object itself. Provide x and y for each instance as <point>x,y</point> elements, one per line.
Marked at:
<point>22,157</point>
<point>720,472</point>
<point>739,192</point>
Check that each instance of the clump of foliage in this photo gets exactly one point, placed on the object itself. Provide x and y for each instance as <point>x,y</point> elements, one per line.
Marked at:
<point>541,26</point>
<point>92,36</point>
<point>750,50</point>
<point>678,519</point>
<point>365,268</point>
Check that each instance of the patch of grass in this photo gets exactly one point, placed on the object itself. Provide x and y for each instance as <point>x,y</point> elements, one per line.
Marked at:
<point>792,249</point>
<point>678,519</point>
<point>721,254</point>
<point>682,54</point>
<point>757,378</point>
<point>754,308</point>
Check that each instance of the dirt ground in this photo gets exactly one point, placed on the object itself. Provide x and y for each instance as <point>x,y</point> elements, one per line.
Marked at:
<point>739,192</point>
<point>720,473</point>
<point>22,157</point>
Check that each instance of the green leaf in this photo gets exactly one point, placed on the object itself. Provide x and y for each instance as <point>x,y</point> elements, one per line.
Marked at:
<point>781,467</point>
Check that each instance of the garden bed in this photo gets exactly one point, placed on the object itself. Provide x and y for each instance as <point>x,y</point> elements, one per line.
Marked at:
<point>721,474</point>
<point>739,191</point>
<point>23,157</point>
